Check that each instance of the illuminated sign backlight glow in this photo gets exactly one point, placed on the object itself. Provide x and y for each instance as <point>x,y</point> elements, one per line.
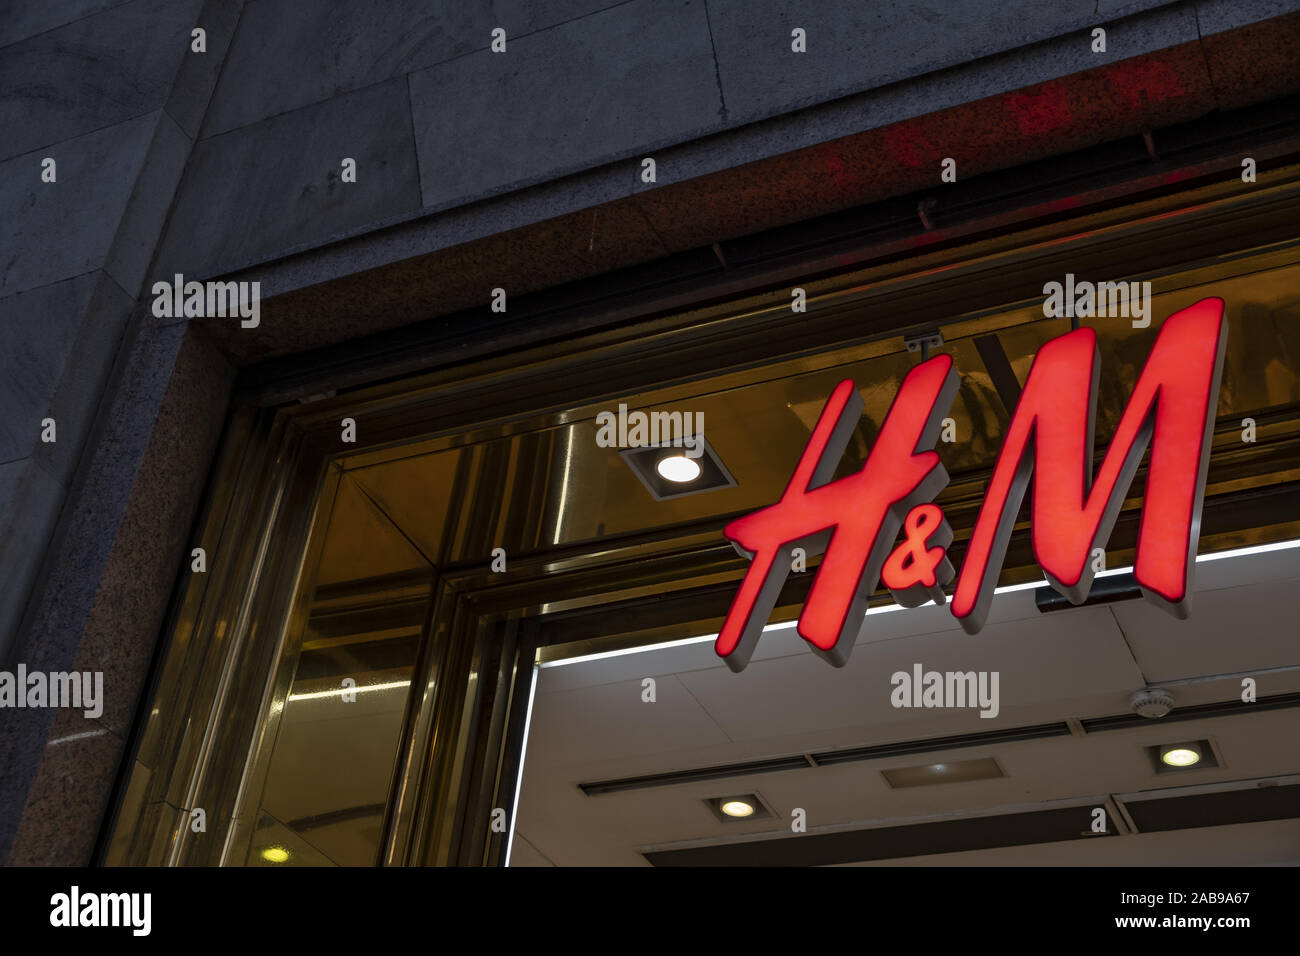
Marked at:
<point>856,520</point>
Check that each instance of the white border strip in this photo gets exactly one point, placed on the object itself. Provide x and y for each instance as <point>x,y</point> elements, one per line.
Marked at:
<point>519,778</point>
<point>338,691</point>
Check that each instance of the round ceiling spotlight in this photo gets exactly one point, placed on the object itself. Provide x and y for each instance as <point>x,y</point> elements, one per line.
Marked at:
<point>737,808</point>
<point>678,468</point>
<point>275,854</point>
<point>1180,755</point>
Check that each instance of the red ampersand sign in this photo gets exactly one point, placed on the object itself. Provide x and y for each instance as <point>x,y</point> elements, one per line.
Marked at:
<point>917,569</point>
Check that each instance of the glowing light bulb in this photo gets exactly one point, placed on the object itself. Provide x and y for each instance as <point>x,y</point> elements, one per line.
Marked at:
<point>678,468</point>
<point>1181,755</point>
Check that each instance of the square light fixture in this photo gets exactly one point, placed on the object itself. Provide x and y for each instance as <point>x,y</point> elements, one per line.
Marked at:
<point>1183,756</point>
<point>668,472</point>
<point>738,808</point>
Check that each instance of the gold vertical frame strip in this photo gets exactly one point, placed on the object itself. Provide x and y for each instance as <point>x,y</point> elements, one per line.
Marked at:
<point>464,723</point>
<point>461,754</point>
<point>424,807</point>
<point>207,704</point>
<point>278,676</point>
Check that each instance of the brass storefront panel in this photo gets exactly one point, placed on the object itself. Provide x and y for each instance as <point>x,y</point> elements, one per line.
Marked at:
<point>321,782</point>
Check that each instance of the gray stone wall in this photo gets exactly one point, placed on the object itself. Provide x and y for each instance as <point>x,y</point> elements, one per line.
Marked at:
<point>437,121</point>
<point>112,94</point>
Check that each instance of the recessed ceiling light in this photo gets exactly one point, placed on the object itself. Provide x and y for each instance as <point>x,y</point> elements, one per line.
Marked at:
<point>667,471</point>
<point>738,808</point>
<point>1184,756</point>
<point>741,806</point>
<point>1180,755</point>
<point>678,468</point>
<point>275,854</point>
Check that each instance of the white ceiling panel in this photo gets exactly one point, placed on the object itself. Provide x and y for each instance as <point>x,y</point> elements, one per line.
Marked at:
<point>612,720</point>
<point>1230,630</point>
<point>590,724</point>
<point>1039,660</point>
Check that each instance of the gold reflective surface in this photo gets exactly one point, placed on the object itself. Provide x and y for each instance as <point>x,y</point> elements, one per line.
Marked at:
<point>557,486</point>
<point>329,767</point>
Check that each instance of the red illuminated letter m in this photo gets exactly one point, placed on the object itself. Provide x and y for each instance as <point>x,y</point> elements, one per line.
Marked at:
<point>1050,437</point>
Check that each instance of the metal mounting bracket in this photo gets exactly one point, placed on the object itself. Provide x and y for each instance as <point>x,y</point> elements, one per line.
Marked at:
<point>923,341</point>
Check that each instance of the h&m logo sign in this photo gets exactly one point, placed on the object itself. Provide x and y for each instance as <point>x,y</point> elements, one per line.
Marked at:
<point>856,519</point>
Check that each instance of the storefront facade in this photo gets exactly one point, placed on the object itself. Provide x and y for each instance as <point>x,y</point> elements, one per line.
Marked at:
<point>388,480</point>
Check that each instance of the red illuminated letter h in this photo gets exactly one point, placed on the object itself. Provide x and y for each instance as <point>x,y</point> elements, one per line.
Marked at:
<point>855,520</point>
